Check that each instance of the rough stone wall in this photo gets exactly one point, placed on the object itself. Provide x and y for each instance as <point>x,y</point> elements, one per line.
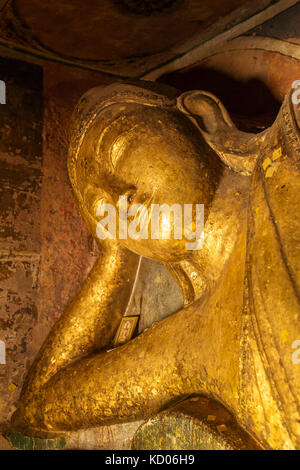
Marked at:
<point>20,216</point>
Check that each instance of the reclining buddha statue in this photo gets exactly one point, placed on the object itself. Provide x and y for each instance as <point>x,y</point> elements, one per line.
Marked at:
<point>234,341</point>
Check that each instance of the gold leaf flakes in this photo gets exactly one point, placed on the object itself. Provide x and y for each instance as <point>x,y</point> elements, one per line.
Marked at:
<point>277,153</point>
<point>270,172</point>
<point>266,163</point>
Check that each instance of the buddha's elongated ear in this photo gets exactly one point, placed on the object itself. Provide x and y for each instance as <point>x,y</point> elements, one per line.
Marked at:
<point>238,150</point>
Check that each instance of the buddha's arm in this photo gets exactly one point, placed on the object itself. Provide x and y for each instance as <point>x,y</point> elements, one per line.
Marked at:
<point>91,319</point>
<point>189,352</point>
<point>130,382</point>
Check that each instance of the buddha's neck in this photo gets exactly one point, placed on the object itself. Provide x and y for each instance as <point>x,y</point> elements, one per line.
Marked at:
<point>224,224</point>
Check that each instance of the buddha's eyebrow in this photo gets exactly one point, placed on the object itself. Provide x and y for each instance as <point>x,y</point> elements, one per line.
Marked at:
<point>119,145</point>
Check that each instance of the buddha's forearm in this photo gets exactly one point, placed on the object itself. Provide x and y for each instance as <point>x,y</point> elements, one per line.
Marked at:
<point>91,319</point>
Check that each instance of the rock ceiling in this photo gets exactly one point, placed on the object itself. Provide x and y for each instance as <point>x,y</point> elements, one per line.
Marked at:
<point>116,36</point>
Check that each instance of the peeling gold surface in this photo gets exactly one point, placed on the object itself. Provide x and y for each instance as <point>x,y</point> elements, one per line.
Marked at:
<point>232,341</point>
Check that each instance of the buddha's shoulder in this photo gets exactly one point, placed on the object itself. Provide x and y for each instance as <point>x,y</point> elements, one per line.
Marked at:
<point>273,246</point>
<point>275,188</point>
<point>272,284</point>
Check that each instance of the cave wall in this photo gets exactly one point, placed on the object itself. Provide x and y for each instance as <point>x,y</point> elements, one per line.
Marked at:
<point>21,126</point>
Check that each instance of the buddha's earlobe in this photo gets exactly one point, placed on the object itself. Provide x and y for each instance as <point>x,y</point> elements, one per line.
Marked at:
<point>238,150</point>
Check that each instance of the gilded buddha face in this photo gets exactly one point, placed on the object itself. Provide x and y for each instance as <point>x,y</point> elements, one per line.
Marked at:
<point>151,156</point>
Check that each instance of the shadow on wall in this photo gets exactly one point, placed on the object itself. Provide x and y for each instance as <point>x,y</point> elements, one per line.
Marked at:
<point>250,103</point>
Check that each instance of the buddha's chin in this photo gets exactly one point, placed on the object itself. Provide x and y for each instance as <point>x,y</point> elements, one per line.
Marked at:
<point>159,250</point>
